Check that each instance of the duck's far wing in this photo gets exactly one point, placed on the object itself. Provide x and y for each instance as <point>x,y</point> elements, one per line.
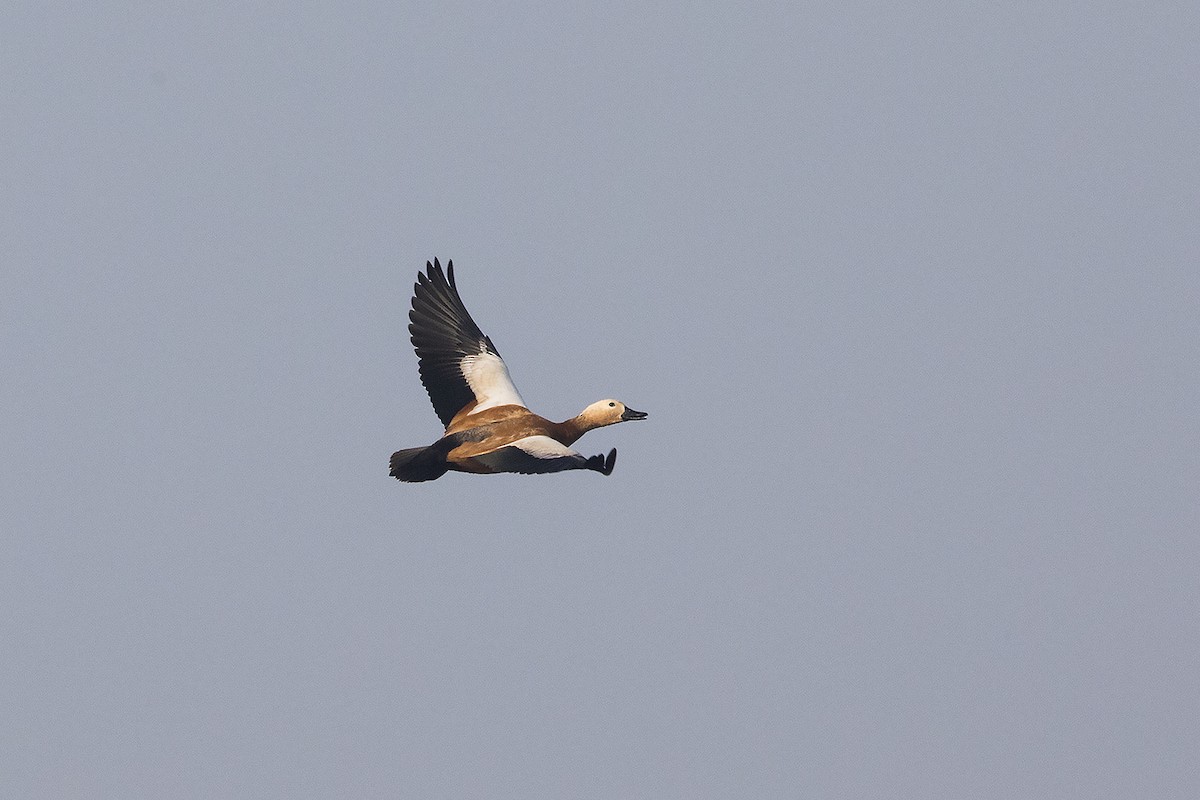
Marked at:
<point>539,454</point>
<point>459,365</point>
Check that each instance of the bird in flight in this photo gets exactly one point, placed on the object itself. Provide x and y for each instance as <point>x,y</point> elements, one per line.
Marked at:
<point>488,427</point>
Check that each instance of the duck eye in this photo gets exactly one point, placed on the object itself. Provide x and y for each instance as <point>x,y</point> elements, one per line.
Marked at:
<point>612,405</point>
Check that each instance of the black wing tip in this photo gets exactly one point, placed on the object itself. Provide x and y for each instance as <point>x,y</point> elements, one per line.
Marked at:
<point>434,283</point>
<point>602,464</point>
<point>433,272</point>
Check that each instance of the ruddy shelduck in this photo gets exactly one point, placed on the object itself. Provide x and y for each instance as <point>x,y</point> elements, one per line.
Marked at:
<point>488,427</point>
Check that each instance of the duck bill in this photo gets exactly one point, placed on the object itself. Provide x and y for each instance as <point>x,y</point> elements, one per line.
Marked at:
<point>629,414</point>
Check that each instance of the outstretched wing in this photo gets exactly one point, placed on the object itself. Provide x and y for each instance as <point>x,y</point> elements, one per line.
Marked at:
<point>538,454</point>
<point>459,365</point>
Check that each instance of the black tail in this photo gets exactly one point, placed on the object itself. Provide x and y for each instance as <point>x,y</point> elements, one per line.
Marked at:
<point>418,464</point>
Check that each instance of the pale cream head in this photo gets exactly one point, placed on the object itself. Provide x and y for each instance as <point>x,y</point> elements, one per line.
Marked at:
<point>609,412</point>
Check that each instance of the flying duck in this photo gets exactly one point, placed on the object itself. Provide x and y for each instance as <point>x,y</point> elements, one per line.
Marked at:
<point>488,427</point>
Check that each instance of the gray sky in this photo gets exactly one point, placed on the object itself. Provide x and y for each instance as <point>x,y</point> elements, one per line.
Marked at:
<point>910,294</point>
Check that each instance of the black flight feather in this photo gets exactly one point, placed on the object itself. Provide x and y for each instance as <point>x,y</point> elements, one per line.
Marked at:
<point>442,334</point>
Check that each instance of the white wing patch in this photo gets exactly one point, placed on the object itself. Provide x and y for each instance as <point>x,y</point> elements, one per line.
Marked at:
<point>543,447</point>
<point>533,454</point>
<point>488,378</point>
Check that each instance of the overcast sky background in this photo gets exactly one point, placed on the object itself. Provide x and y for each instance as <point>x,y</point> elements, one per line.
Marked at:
<point>908,291</point>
